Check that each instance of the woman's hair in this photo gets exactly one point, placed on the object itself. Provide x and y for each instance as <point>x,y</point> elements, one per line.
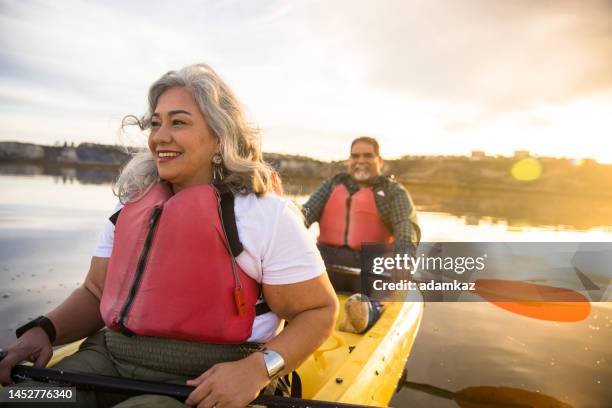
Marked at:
<point>244,168</point>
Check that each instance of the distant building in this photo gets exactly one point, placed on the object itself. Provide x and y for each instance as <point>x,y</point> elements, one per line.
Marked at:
<point>521,154</point>
<point>478,155</point>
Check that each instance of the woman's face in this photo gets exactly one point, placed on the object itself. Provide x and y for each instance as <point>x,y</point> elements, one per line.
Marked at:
<point>181,140</point>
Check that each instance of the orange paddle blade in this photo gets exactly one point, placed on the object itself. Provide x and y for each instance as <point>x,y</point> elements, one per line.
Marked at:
<point>533,300</point>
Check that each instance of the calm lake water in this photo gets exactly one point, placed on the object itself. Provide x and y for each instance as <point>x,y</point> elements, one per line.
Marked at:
<point>49,227</point>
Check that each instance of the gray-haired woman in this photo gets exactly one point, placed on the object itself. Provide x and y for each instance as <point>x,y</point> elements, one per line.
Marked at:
<point>199,267</point>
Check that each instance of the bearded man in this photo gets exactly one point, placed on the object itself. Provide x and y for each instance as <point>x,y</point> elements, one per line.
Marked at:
<point>361,206</point>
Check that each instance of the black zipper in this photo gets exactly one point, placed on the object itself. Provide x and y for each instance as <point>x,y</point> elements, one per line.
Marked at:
<point>142,262</point>
<point>349,200</point>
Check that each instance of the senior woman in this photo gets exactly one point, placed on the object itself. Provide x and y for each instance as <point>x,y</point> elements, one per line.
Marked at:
<point>198,269</point>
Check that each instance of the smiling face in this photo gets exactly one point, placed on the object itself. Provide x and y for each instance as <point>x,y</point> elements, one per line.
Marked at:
<point>363,163</point>
<point>181,140</point>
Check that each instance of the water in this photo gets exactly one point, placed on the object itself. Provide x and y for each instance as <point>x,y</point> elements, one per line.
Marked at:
<point>49,227</point>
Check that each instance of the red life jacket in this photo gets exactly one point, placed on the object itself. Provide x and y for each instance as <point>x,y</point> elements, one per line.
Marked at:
<point>351,220</point>
<point>170,273</point>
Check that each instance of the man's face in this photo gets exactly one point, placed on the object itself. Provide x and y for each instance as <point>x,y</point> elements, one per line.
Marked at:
<point>364,164</point>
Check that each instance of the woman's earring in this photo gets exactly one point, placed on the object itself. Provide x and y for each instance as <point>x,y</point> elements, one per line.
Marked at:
<point>217,161</point>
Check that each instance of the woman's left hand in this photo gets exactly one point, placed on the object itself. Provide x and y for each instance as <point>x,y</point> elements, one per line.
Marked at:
<point>229,385</point>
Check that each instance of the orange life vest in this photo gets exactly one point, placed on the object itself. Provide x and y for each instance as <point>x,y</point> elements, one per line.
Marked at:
<point>170,273</point>
<point>352,220</point>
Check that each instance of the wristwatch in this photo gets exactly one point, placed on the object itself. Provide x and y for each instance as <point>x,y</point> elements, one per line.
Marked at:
<point>42,322</point>
<point>274,363</point>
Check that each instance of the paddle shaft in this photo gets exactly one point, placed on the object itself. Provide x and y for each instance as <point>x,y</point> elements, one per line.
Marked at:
<point>95,382</point>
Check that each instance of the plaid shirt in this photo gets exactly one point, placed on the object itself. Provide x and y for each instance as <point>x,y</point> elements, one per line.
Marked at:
<point>394,205</point>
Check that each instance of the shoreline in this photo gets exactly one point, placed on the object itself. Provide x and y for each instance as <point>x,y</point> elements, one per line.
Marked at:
<point>559,177</point>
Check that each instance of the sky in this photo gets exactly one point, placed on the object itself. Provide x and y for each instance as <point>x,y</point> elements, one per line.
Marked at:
<point>424,77</point>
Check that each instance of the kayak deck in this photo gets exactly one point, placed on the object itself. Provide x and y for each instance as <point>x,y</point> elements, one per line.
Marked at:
<point>363,369</point>
<point>352,368</point>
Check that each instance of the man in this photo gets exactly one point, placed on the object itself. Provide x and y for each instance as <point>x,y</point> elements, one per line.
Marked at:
<point>361,206</point>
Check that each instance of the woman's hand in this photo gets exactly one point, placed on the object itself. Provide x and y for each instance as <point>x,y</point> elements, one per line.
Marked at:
<point>229,385</point>
<point>76,317</point>
<point>34,346</point>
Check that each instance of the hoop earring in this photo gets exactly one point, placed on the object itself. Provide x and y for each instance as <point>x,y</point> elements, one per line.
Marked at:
<point>217,161</point>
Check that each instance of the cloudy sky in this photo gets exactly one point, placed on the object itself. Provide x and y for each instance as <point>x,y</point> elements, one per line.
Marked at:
<point>425,77</point>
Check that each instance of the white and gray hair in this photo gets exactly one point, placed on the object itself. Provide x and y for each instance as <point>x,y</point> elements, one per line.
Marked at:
<point>244,168</point>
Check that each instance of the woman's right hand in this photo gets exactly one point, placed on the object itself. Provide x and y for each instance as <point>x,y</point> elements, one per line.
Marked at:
<point>76,317</point>
<point>33,345</point>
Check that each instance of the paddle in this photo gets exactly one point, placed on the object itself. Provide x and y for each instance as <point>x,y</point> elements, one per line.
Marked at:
<point>534,300</point>
<point>524,298</point>
<point>95,382</point>
<point>489,396</point>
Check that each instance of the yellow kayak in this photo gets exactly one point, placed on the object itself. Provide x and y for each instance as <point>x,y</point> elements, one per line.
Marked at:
<point>353,368</point>
<point>363,368</point>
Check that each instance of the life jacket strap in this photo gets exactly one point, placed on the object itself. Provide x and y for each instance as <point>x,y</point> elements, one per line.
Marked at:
<point>229,219</point>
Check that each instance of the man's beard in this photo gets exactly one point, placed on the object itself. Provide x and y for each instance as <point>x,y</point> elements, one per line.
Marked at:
<point>361,172</point>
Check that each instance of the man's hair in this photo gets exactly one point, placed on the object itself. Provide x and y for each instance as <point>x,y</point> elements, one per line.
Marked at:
<point>369,140</point>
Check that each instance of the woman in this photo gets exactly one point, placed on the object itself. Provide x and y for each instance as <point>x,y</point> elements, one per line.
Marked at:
<point>201,239</point>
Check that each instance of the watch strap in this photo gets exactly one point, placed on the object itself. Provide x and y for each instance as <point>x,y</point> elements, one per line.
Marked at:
<point>43,322</point>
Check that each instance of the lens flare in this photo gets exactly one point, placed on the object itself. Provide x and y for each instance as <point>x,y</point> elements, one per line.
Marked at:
<point>528,169</point>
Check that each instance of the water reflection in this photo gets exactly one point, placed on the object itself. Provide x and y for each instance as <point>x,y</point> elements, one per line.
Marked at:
<point>512,210</point>
<point>63,174</point>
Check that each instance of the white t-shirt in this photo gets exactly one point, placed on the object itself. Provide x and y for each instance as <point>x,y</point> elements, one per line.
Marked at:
<point>277,248</point>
